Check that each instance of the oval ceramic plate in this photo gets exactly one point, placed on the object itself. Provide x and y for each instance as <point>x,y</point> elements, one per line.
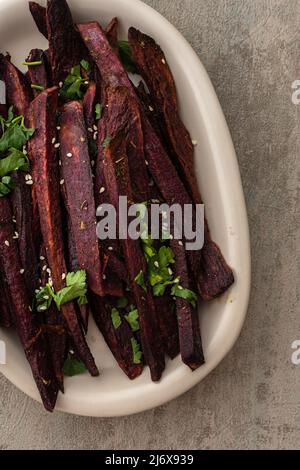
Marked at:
<point>112,394</point>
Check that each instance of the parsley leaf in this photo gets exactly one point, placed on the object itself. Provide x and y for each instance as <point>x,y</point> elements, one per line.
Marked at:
<point>6,185</point>
<point>133,319</point>
<point>98,111</point>
<point>86,66</point>
<point>106,142</point>
<point>139,279</point>
<point>73,84</point>
<point>15,160</point>
<point>187,294</point>
<point>16,134</point>
<point>137,353</point>
<point>126,56</point>
<point>76,289</point>
<point>73,366</point>
<point>115,318</point>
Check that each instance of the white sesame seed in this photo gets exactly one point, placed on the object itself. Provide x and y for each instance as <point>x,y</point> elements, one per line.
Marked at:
<point>44,268</point>
<point>53,140</point>
<point>92,162</point>
<point>6,243</point>
<point>27,177</point>
<point>48,270</point>
<point>102,190</point>
<point>82,139</point>
<point>22,271</point>
<point>86,82</point>
<point>29,182</point>
<point>42,258</point>
<point>63,276</point>
<point>37,291</point>
<point>90,129</point>
<point>180,243</point>
<point>59,162</point>
<point>95,135</point>
<point>50,282</point>
<point>180,287</point>
<point>176,281</point>
<point>24,152</point>
<point>147,163</point>
<point>43,307</point>
<point>60,84</point>
<point>57,145</point>
<point>110,248</point>
<point>14,220</point>
<point>16,236</point>
<point>69,155</point>
<point>61,182</point>
<point>155,201</point>
<point>95,128</point>
<point>170,271</point>
<point>104,276</point>
<point>58,128</point>
<point>194,142</point>
<point>30,309</point>
<point>156,264</point>
<point>46,297</point>
<point>163,61</point>
<point>151,109</point>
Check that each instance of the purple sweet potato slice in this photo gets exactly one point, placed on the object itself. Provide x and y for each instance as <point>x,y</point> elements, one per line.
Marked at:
<point>29,331</point>
<point>111,32</point>
<point>38,74</point>
<point>5,313</point>
<point>118,340</point>
<point>54,328</point>
<point>168,327</point>
<point>187,316</point>
<point>39,15</point>
<point>78,183</point>
<point>45,176</point>
<point>118,183</point>
<point>65,44</point>
<point>19,95</point>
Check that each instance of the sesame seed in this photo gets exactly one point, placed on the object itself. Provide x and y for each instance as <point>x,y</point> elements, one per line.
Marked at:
<point>60,84</point>
<point>24,152</point>
<point>82,139</point>
<point>14,220</point>
<point>48,270</point>
<point>22,271</point>
<point>28,177</point>
<point>42,258</point>
<point>50,282</point>
<point>63,276</point>
<point>57,145</point>
<point>90,129</point>
<point>69,155</point>
<point>194,142</point>
<point>95,135</point>
<point>46,297</point>
<point>61,182</point>
<point>110,248</point>
<point>29,182</point>
<point>86,82</point>
<point>95,128</point>
<point>53,140</point>
<point>151,109</point>
<point>176,281</point>
<point>59,162</point>
<point>104,277</point>
<point>170,271</point>
<point>156,263</point>
<point>171,237</point>
<point>163,61</point>
<point>44,268</point>
<point>16,236</point>
<point>180,243</point>
<point>102,190</point>
<point>92,162</point>
<point>180,287</point>
<point>147,163</point>
<point>36,291</point>
<point>58,128</point>
<point>155,201</point>
<point>30,309</point>
<point>43,307</point>
<point>6,243</point>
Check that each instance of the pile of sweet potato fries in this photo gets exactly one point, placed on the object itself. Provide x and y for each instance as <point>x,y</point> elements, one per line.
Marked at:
<point>76,133</point>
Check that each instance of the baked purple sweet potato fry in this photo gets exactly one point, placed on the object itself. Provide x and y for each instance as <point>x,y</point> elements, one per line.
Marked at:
<point>45,173</point>
<point>117,177</point>
<point>111,32</point>
<point>18,91</point>
<point>65,44</point>
<point>38,74</point>
<point>118,339</point>
<point>39,13</point>
<point>5,313</point>
<point>30,332</point>
<point>78,186</point>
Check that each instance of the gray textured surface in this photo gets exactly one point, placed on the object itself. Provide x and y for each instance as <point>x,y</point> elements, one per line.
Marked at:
<point>251,51</point>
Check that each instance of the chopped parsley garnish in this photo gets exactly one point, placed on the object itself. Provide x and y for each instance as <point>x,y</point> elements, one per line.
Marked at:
<point>106,142</point>
<point>187,294</point>
<point>133,319</point>
<point>74,85</point>
<point>98,111</point>
<point>73,366</point>
<point>76,289</point>
<point>37,87</point>
<point>33,64</point>
<point>137,353</point>
<point>14,136</point>
<point>125,54</point>
<point>122,302</point>
<point>115,318</point>
<point>139,279</point>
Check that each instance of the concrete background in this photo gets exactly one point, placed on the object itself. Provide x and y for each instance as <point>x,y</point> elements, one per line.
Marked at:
<point>251,51</point>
